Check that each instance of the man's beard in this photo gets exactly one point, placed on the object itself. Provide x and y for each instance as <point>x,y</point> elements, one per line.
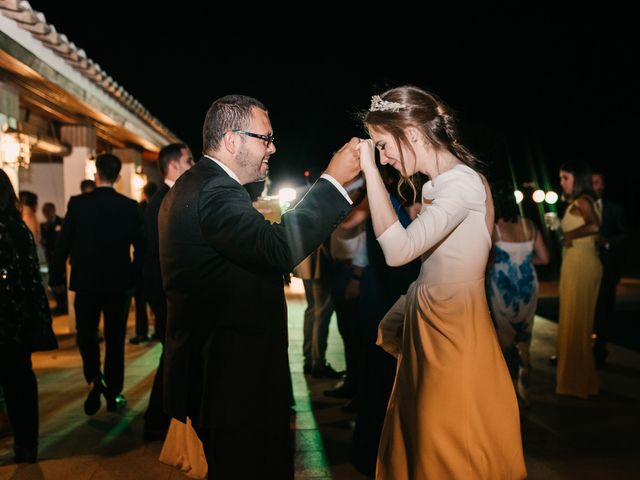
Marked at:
<point>249,166</point>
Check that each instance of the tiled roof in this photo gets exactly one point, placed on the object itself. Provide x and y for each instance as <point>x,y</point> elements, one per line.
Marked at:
<point>35,22</point>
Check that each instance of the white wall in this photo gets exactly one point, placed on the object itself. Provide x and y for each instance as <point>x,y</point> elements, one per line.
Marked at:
<point>46,181</point>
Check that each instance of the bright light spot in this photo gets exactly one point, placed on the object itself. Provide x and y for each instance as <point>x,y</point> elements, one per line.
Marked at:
<point>138,182</point>
<point>551,197</point>
<point>296,286</point>
<point>9,148</point>
<point>538,196</point>
<point>519,196</point>
<point>287,195</point>
<point>90,169</point>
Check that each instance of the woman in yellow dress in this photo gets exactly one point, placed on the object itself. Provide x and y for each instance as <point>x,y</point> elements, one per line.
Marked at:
<point>579,283</point>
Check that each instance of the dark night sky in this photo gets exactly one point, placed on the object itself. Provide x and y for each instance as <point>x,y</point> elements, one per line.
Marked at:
<point>532,87</point>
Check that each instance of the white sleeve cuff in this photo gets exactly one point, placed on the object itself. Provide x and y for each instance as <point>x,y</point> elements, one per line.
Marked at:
<point>338,186</point>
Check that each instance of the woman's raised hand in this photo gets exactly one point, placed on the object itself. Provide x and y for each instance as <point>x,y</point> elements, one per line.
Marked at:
<point>367,155</point>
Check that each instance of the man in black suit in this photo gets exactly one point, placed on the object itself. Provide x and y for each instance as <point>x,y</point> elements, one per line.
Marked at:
<point>140,298</point>
<point>173,161</point>
<point>611,245</point>
<point>98,231</point>
<point>226,364</point>
<point>49,233</point>
<point>87,185</point>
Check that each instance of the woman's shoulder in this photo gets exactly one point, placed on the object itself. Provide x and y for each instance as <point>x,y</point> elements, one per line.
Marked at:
<point>520,230</point>
<point>462,181</point>
<point>15,227</point>
<point>459,174</point>
<point>584,201</point>
<point>585,198</point>
<point>15,236</point>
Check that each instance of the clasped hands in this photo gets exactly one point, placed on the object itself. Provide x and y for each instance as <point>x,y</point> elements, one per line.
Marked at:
<point>355,156</point>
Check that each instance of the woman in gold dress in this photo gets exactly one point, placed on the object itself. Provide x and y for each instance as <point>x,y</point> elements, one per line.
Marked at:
<point>579,283</point>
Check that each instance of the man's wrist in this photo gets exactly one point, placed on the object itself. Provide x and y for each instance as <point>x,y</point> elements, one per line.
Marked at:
<point>327,176</point>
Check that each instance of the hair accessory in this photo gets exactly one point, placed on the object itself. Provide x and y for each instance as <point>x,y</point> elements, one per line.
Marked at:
<point>379,105</point>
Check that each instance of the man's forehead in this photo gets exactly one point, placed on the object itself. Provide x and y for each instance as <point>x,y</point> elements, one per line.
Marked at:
<point>259,116</point>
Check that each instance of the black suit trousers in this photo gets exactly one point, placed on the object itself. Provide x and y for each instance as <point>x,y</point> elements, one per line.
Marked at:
<point>142,321</point>
<point>155,419</point>
<point>347,317</point>
<point>21,394</point>
<point>605,305</point>
<point>88,306</point>
<point>158,303</point>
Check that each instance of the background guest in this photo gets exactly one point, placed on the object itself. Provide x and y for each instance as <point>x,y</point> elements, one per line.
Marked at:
<point>580,275</point>
<point>25,323</point>
<point>50,231</point>
<point>612,244</point>
<point>98,231</point>
<point>512,282</point>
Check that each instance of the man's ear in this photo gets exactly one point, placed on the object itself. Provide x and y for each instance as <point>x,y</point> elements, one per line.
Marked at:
<point>229,141</point>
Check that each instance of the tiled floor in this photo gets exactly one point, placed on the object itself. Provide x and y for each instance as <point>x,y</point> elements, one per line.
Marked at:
<point>563,438</point>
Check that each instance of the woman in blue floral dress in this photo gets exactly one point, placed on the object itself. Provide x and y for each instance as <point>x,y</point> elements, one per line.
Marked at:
<point>512,283</point>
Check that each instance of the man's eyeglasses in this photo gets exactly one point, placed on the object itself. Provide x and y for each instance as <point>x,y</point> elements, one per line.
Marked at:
<point>268,139</point>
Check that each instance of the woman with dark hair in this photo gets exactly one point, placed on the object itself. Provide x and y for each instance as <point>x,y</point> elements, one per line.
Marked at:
<point>25,323</point>
<point>580,276</point>
<point>453,411</point>
<point>28,202</point>
<point>512,283</point>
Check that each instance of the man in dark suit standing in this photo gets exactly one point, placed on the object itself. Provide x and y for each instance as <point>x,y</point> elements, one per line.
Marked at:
<point>611,245</point>
<point>173,161</point>
<point>98,231</point>
<point>49,233</point>
<point>226,364</point>
<point>139,296</point>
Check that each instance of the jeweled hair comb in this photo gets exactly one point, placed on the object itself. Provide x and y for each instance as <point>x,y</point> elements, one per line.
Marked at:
<point>379,105</point>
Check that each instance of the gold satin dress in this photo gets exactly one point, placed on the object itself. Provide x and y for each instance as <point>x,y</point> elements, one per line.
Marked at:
<point>580,276</point>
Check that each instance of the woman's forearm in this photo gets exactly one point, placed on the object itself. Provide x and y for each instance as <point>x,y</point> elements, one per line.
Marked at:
<point>382,213</point>
<point>583,231</point>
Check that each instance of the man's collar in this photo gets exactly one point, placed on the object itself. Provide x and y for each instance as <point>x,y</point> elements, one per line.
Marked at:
<point>227,170</point>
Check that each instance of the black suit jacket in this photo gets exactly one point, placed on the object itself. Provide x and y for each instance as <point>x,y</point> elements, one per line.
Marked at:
<point>151,269</point>
<point>98,231</point>
<point>226,357</point>
<point>614,231</point>
<point>49,232</point>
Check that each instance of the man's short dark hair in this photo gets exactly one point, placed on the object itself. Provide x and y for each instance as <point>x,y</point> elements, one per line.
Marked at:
<point>169,153</point>
<point>49,205</point>
<point>87,185</point>
<point>150,189</point>
<point>28,198</point>
<point>108,166</point>
<point>232,112</point>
